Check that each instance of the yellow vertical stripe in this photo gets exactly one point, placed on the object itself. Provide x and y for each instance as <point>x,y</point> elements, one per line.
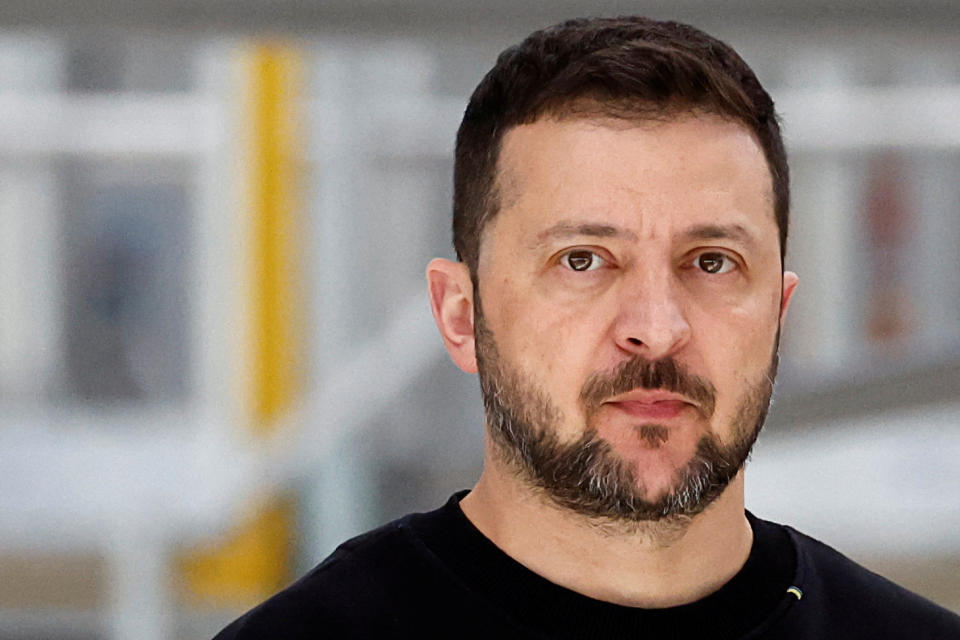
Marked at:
<point>274,163</point>
<point>254,560</point>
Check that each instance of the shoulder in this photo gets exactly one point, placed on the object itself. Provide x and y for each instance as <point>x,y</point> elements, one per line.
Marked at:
<point>846,595</point>
<point>360,577</point>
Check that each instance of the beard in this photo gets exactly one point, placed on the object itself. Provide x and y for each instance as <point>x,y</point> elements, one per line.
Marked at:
<point>587,475</point>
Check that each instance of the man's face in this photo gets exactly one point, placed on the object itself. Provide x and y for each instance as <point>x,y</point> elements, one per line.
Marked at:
<point>631,294</point>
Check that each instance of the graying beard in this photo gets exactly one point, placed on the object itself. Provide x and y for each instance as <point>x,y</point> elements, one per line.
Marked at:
<point>586,476</point>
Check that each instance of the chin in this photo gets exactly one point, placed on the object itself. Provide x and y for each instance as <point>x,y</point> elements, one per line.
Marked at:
<point>657,452</point>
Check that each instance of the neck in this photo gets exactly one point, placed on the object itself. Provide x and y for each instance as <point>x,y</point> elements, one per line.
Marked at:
<point>651,565</point>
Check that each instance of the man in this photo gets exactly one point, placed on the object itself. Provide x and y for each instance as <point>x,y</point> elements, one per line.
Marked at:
<point>620,219</point>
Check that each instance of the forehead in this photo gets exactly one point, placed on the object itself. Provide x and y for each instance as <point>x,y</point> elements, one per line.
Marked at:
<point>646,174</point>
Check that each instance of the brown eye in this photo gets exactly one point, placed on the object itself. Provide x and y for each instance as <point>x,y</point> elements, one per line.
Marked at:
<point>582,260</point>
<point>714,263</point>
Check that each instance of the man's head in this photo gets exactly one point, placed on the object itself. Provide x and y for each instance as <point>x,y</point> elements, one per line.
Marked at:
<point>632,68</point>
<point>620,213</point>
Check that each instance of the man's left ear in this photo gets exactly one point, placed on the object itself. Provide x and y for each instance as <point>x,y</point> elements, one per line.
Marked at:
<point>790,280</point>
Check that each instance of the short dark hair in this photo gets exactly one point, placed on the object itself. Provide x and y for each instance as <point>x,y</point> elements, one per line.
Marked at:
<point>628,67</point>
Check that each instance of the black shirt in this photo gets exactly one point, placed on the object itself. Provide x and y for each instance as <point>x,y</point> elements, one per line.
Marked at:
<point>434,575</point>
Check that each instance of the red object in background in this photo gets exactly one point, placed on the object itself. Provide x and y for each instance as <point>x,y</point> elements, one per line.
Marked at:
<point>889,224</point>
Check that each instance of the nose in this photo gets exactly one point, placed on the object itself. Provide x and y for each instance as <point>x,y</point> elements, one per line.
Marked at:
<point>652,321</point>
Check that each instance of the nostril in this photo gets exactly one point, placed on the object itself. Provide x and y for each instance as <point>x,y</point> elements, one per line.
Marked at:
<point>634,341</point>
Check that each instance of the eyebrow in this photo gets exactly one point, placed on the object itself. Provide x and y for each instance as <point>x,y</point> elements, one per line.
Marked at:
<point>561,230</point>
<point>569,229</point>
<point>735,232</point>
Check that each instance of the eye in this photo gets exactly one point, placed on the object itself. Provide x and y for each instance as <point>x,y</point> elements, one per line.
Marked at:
<point>582,260</point>
<point>714,263</point>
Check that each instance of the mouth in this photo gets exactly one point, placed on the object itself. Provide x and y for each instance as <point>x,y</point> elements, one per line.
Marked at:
<point>651,405</point>
<point>662,410</point>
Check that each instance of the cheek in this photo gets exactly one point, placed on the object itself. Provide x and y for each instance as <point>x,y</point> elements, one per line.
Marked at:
<point>546,341</point>
<point>736,345</point>
<point>753,316</point>
<point>550,343</point>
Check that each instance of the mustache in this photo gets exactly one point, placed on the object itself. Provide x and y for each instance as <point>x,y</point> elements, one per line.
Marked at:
<point>640,373</point>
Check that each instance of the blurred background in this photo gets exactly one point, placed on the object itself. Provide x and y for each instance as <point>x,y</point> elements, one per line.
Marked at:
<point>216,355</point>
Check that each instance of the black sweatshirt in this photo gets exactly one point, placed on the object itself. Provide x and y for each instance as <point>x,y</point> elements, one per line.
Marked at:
<point>434,575</point>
